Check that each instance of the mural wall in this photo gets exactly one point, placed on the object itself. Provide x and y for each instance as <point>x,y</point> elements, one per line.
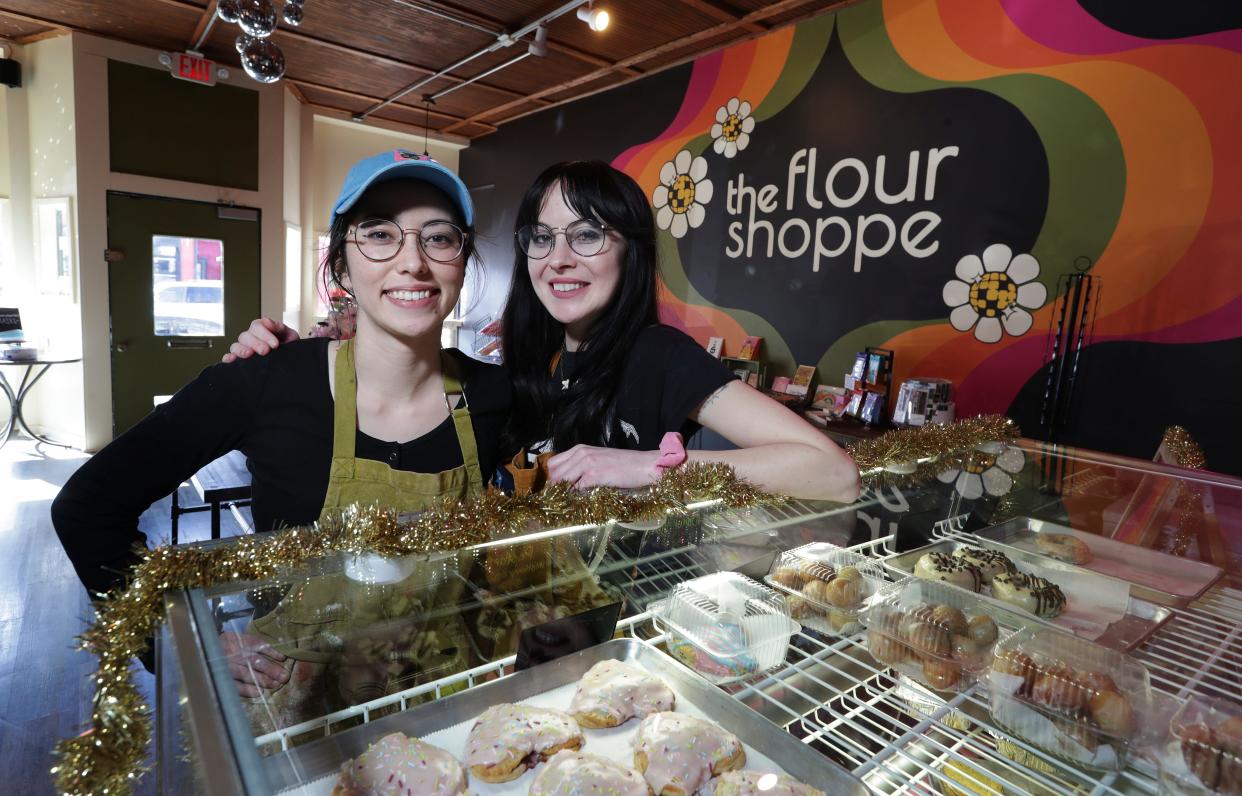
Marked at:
<point>919,175</point>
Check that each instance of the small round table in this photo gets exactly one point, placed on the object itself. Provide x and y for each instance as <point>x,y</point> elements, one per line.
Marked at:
<point>38,367</point>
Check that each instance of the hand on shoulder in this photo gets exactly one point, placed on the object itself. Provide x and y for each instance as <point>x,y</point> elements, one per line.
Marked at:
<point>263,336</point>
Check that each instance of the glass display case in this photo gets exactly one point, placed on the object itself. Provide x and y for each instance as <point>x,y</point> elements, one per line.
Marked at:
<point>1144,555</point>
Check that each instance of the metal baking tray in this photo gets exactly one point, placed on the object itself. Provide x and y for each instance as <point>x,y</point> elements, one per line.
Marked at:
<point>324,757</point>
<point>1153,576</point>
<point>1142,618</point>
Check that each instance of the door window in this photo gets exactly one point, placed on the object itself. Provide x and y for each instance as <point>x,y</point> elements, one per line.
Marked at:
<point>187,286</point>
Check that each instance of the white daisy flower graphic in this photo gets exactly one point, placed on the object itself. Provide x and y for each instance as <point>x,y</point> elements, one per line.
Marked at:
<point>683,192</point>
<point>995,292</point>
<point>733,127</point>
<point>991,469</point>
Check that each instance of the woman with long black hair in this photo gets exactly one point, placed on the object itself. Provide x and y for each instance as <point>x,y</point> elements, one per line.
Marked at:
<point>598,379</point>
<point>604,393</point>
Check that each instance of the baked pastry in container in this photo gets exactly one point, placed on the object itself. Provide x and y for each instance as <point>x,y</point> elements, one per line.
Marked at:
<point>1071,697</point>
<point>679,754</point>
<point>1204,755</point>
<point>397,765</point>
<point>725,626</point>
<point>827,586</point>
<point>931,632</point>
<point>719,651</point>
<point>507,739</point>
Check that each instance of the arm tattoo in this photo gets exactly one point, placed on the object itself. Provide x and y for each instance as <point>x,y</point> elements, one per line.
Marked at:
<point>711,399</point>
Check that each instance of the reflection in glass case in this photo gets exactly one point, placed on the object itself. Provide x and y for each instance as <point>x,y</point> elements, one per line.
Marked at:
<point>272,688</point>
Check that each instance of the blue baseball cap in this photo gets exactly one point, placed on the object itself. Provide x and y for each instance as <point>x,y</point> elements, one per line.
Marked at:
<point>401,164</point>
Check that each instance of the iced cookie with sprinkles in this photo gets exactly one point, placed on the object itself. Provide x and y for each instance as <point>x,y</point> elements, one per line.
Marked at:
<point>506,740</point>
<point>397,765</point>
<point>679,754</point>
<point>757,783</point>
<point>611,693</point>
<point>580,774</point>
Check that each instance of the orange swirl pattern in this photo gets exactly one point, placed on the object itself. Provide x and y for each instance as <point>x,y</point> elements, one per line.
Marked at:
<point>1175,112</point>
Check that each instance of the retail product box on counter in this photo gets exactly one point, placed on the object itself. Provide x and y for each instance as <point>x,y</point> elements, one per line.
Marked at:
<point>827,586</point>
<point>1074,699</point>
<point>725,626</point>
<point>936,634</point>
<point>1204,754</point>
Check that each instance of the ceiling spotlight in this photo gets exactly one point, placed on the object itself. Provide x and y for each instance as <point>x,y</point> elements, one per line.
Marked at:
<point>539,46</point>
<point>596,18</point>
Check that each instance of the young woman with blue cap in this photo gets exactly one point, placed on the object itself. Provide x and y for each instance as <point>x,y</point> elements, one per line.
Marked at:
<point>385,417</point>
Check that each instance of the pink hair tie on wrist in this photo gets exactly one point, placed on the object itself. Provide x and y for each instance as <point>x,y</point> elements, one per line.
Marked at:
<point>672,453</point>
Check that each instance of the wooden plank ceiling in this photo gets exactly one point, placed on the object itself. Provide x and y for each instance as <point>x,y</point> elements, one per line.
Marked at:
<point>349,55</point>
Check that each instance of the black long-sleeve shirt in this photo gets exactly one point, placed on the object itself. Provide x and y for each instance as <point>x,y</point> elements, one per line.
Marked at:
<point>278,411</point>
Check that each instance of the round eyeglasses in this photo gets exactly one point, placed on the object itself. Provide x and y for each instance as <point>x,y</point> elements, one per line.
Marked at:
<point>585,236</point>
<point>380,240</point>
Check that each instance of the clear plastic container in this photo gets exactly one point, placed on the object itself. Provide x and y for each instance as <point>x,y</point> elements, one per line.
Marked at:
<point>726,626</point>
<point>1204,754</point>
<point>827,586</point>
<point>936,634</point>
<point>1072,698</point>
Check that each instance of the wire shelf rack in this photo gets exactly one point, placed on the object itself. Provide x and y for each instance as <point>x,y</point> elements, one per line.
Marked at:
<point>897,736</point>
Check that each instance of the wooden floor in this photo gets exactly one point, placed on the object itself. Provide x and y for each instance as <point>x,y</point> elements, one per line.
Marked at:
<point>44,687</point>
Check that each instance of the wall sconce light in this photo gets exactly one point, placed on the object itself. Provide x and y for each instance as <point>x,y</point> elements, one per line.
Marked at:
<point>596,18</point>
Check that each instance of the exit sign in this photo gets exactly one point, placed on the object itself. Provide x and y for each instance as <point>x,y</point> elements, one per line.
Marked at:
<point>195,68</point>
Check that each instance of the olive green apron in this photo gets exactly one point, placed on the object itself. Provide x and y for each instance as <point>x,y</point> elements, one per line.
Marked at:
<point>349,641</point>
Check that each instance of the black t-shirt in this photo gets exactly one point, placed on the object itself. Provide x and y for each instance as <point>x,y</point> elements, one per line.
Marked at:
<point>278,410</point>
<point>667,376</point>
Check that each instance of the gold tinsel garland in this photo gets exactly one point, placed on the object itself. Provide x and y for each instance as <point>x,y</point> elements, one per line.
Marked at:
<point>1186,452</point>
<point>1188,505</point>
<point>912,455</point>
<point>108,758</point>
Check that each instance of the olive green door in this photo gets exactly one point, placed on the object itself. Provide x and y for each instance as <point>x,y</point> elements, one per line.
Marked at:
<point>183,281</point>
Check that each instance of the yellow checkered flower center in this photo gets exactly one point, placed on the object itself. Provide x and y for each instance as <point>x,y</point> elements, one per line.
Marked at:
<point>992,294</point>
<point>979,462</point>
<point>681,195</point>
<point>732,127</point>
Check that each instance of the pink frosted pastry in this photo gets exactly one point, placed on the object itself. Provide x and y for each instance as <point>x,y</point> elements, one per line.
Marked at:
<point>611,693</point>
<point>678,754</point>
<point>757,783</point>
<point>508,739</point>
<point>578,774</point>
<point>397,765</point>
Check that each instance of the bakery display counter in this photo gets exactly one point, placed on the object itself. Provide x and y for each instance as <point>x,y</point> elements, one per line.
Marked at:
<point>371,644</point>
